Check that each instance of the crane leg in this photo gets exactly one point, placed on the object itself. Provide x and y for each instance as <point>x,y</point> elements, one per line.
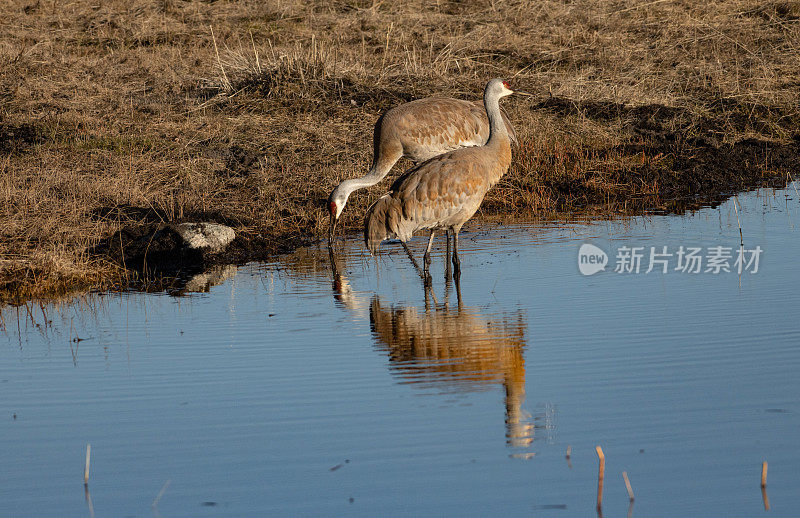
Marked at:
<point>458,291</point>
<point>413,261</point>
<point>426,259</point>
<point>448,273</point>
<point>456,260</point>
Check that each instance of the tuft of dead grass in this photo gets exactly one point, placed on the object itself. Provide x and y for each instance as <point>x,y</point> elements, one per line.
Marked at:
<point>126,114</point>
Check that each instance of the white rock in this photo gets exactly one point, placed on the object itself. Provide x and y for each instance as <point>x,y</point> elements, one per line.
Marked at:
<point>210,237</point>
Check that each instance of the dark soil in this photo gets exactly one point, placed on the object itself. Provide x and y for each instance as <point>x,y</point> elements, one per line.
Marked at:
<point>683,162</point>
<point>16,137</point>
<point>156,259</point>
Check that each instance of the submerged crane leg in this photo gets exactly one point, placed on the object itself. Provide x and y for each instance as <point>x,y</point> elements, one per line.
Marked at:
<point>448,272</point>
<point>458,292</point>
<point>426,259</point>
<point>456,260</point>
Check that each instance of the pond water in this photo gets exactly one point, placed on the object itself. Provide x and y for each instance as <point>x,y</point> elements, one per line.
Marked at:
<point>282,391</point>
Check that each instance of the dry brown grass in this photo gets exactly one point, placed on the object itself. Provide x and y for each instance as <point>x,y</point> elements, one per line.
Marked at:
<point>116,114</point>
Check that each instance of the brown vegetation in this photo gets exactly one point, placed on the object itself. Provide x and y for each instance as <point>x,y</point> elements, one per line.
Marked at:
<point>117,115</point>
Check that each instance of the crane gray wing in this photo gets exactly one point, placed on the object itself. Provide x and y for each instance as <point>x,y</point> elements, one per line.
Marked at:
<point>442,192</point>
<point>433,126</point>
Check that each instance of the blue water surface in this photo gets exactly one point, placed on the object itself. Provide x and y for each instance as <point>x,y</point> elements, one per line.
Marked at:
<point>288,391</point>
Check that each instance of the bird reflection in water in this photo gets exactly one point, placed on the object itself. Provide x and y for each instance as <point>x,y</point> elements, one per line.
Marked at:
<point>454,349</point>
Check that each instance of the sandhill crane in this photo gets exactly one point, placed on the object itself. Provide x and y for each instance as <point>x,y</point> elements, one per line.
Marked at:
<point>445,191</point>
<point>417,130</point>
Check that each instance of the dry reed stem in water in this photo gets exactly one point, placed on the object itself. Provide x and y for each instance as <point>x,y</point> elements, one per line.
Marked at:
<point>161,493</point>
<point>600,474</point>
<point>86,468</point>
<point>628,485</point>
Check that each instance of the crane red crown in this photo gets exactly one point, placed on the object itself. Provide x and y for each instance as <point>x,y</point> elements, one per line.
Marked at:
<point>505,83</point>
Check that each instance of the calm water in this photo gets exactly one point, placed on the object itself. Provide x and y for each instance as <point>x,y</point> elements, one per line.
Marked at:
<point>281,393</point>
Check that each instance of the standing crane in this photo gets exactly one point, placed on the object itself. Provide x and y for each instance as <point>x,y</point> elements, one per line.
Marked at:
<point>418,130</point>
<point>444,192</point>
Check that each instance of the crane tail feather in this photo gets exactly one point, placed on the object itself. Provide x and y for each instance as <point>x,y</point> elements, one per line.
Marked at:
<point>377,226</point>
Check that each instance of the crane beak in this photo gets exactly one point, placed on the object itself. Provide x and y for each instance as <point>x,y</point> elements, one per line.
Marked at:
<point>523,93</point>
<point>331,230</point>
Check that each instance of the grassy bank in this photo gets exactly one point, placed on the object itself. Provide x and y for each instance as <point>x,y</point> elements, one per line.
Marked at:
<point>122,115</point>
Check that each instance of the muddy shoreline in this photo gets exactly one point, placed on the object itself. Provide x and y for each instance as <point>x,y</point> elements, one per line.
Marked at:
<point>172,271</point>
<point>670,174</point>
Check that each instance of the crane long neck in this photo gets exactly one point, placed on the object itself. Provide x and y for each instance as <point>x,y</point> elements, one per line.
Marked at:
<point>373,176</point>
<point>497,127</point>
